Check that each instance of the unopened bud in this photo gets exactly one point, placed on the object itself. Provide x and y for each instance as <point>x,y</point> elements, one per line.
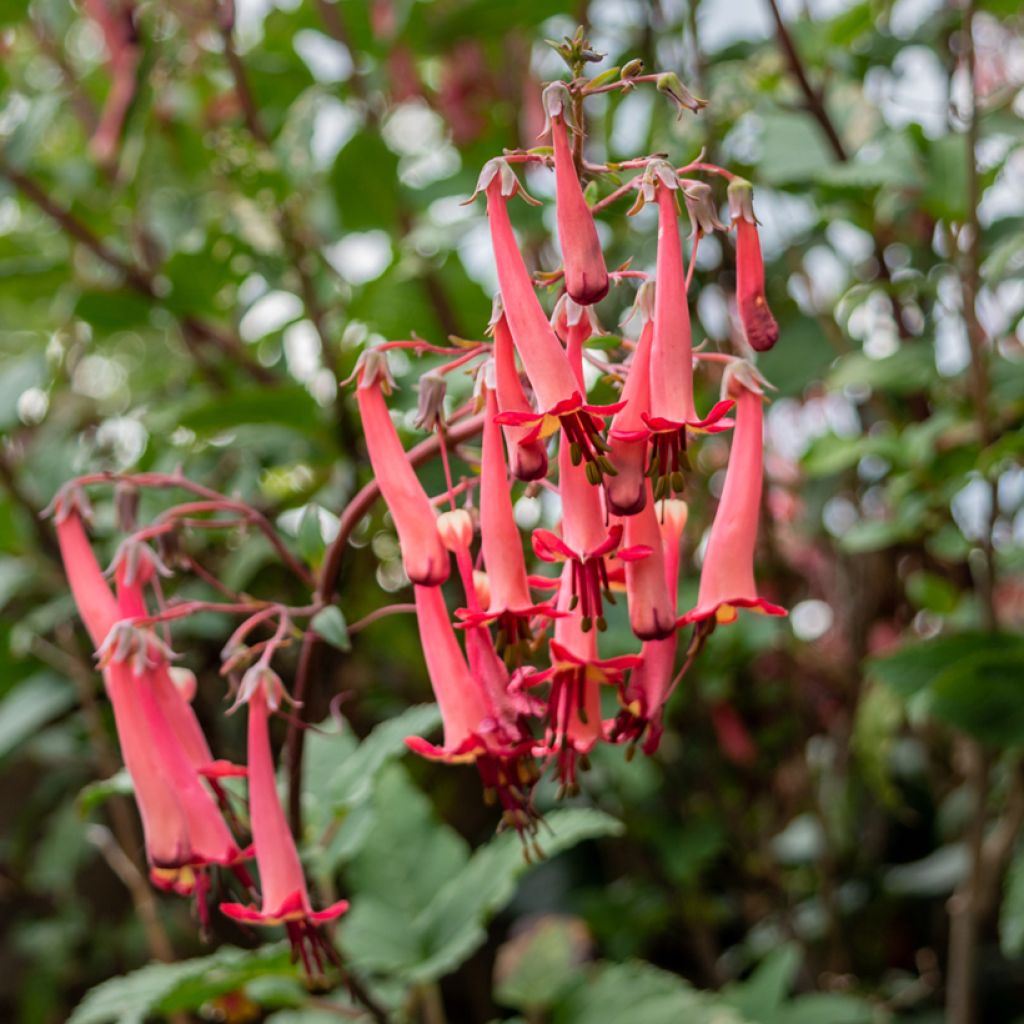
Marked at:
<point>261,677</point>
<point>500,169</point>
<point>557,101</point>
<point>670,84</point>
<point>741,200</point>
<point>700,205</point>
<point>430,408</point>
<point>184,680</point>
<point>673,514</point>
<point>372,368</point>
<point>456,529</point>
<point>657,172</point>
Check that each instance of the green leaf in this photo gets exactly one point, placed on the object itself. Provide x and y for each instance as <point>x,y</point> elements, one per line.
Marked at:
<point>285,406</point>
<point>98,793</point>
<point>916,666</point>
<point>453,924</point>
<point>792,150</point>
<point>983,694</point>
<point>910,369</point>
<point>768,986</point>
<point>29,706</point>
<point>353,776</point>
<point>363,181</point>
<point>945,194</point>
<point>933,592</point>
<point>312,544</point>
<point>163,988</point>
<point>879,717</point>
<point>819,1007</point>
<point>641,994</point>
<point>329,624</point>
<point>1011,910</point>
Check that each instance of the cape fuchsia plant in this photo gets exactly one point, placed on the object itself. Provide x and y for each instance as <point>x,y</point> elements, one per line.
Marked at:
<point>521,666</point>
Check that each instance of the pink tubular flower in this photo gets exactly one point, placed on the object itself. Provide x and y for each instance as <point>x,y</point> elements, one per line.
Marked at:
<point>759,325</point>
<point>528,460</point>
<point>672,411</point>
<point>285,896</point>
<point>558,392</point>
<point>644,698</point>
<point>474,732</point>
<point>727,575</point>
<point>626,490</point>
<point>586,277</point>
<point>184,831</point>
<point>511,605</point>
<point>423,555</point>
<point>651,606</point>
<point>574,725</point>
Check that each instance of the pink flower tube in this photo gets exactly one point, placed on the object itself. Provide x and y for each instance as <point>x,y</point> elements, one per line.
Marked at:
<point>672,411</point>
<point>626,491</point>
<point>586,277</point>
<point>759,325</point>
<point>423,555</point>
<point>474,730</point>
<point>283,884</point>
<point>727,575</point>
<point>561,400</point>
<point>511,605</point>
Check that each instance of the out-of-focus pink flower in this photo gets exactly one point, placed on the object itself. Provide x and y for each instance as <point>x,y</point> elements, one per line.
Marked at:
<point>586,277</point>
<point>734,739</point>
<point>124,55</point>
<point>759,325</point>
<point>423,555</point>
<point>727,574</point>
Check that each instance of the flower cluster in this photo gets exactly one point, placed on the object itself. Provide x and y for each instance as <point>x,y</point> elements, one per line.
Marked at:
<point>523,689</point>
<point>520,666</point>
<point>189,818</point>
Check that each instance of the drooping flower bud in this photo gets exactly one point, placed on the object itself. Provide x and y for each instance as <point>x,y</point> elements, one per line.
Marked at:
<point>586,276</point>
<point>430,405</point>
<point>759,325</point>
<point>700,205</point>
<point>669,83</point>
